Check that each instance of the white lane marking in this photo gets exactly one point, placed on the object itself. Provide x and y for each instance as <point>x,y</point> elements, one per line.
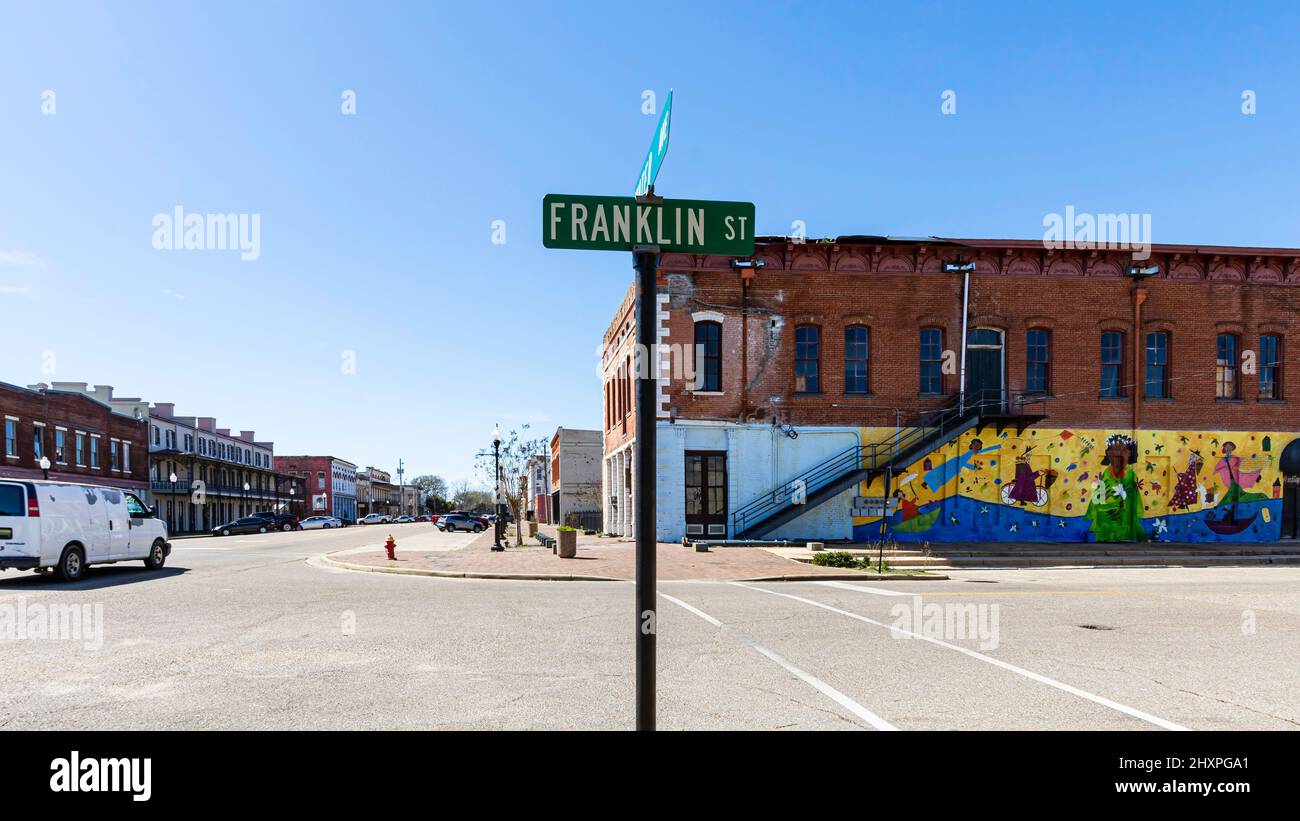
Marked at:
<point>1096,699</point>
<point>879,591</point>
<point>816,683</point>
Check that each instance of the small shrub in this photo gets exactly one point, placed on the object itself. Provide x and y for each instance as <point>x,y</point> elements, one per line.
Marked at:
<point>566,529</point>
<point>836,559</point>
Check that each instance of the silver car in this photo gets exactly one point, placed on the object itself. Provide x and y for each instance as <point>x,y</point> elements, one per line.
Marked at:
<point>320,523</point>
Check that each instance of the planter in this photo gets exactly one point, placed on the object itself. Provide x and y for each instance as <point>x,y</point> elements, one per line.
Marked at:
<point>816,546</point>
<point>532,529</point>
<point>567,544</point>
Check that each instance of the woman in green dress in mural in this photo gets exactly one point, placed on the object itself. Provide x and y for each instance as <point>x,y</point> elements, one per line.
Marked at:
<point>1116,506</point>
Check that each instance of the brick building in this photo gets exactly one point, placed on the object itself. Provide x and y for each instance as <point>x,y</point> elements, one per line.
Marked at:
<point>838,392</point>
<point>575,473</point>
<point>331,483</point>
<point>219,475</point>
<point>84,440</point>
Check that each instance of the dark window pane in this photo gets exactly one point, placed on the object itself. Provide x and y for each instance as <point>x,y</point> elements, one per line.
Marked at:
<point>931,360</point>
<point>708,350</point>
<point>1112,367</point>
<point>856,351</point>
<point>1037,360</point>
<point>807,352</point>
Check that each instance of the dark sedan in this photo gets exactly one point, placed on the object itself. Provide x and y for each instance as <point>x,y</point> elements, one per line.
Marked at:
<point>248,524</point>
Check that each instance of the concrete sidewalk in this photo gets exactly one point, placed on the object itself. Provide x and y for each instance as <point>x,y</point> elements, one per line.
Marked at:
<point>598,559</point>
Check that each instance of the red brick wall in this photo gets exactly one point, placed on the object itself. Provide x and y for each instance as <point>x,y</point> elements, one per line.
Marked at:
<point>75,412</point>
<point>896,289</point>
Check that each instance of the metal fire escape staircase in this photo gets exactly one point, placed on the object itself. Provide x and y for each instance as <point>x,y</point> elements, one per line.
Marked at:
<point>826,480</point>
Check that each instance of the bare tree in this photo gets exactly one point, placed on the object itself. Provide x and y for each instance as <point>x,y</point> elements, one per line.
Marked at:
<point>515,452</point>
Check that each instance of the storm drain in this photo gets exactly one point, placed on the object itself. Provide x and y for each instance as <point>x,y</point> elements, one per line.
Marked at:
<point>1096,627</point>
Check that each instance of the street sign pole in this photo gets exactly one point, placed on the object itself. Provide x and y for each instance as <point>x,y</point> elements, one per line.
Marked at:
<point>647,323</point>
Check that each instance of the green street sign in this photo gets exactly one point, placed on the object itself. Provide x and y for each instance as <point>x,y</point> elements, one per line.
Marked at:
<point>658,148</point>
<point>591,223</point>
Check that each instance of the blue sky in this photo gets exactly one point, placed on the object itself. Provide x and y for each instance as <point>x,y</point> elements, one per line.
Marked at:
<point>376,228</point>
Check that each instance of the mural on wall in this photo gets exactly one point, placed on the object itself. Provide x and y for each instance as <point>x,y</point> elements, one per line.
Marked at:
<point>1045,484</point>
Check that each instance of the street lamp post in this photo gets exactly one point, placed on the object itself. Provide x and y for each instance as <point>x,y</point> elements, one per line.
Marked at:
<point>243,499</point>
<point>496,488</point>
<point>45,467</point>
<point>172,478</point>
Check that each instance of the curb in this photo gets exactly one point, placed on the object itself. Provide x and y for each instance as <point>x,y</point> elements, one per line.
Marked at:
<point>570,577</point>
<point>467,574</point>
<point>846,577</point>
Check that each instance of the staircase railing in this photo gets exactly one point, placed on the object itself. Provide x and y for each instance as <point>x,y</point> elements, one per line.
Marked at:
<point>928,426</point>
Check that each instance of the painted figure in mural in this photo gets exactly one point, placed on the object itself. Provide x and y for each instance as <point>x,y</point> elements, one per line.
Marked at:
<point>1116,506</point>
<point>936,477</point>
<point>1025,488</point>
<point>909,508</point>
<point>1236,479</point>
<point>1185,491</point>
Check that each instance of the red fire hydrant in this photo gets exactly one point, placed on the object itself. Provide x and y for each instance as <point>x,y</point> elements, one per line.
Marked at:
<point>391,547</point>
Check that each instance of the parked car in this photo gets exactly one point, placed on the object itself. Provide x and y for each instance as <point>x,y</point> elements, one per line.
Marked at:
<point>248,524</point>
<point>319,523</point>
<point>346,520</point>
<point>279,521</point>
<point>403,520</point>
<point>460,521</point>
<point>375,519</point>
<point>66,527</point>
<point>481,517</point>
<point>423,518</point>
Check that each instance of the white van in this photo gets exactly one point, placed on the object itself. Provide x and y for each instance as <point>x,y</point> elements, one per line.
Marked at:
<point>66,527</point>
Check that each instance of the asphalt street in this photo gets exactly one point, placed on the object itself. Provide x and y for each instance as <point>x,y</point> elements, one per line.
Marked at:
<point>251,633</point>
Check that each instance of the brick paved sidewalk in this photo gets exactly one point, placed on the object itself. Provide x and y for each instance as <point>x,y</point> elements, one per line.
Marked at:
<point>603,557</point>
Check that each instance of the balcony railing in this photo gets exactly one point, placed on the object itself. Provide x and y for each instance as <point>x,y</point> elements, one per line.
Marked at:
<point>185,486</point>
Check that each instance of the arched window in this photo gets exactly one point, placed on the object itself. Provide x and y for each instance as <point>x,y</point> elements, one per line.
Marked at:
<point>708,356</point>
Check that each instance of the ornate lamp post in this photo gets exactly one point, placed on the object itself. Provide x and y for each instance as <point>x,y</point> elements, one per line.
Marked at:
<point>496,488</point>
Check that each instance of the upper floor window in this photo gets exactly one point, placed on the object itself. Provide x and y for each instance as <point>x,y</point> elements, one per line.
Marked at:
<point>94,451</point>
<point>320,480</point>
<point>931,360</point>
<point>857,347</point>
<point>60,446</point>
<point>807,359</point>
<point>81,448</point>
<point>708,353</point>
<point>1270,367</point>
<point>11,437</point>
<point>38,441</point>
<point>155,435</point>
<point>1112,364</point>
<point>1157,356</point>
<point>112,455</point>
<point>1225,367</point>
<point>1038,361</point>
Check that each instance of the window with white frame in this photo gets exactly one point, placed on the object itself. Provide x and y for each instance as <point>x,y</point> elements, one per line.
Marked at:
<point>11,437</point>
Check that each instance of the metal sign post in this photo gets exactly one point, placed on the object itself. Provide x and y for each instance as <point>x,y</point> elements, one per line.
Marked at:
<point>647,226</point>
<point>647,323</point>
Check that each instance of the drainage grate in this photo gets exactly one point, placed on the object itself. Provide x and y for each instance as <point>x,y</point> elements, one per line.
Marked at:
<point>1096,627</point>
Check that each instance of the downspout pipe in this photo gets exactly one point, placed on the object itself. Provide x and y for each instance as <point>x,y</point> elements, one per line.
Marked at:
<point>1139,380</point>
<point>965,316</point>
